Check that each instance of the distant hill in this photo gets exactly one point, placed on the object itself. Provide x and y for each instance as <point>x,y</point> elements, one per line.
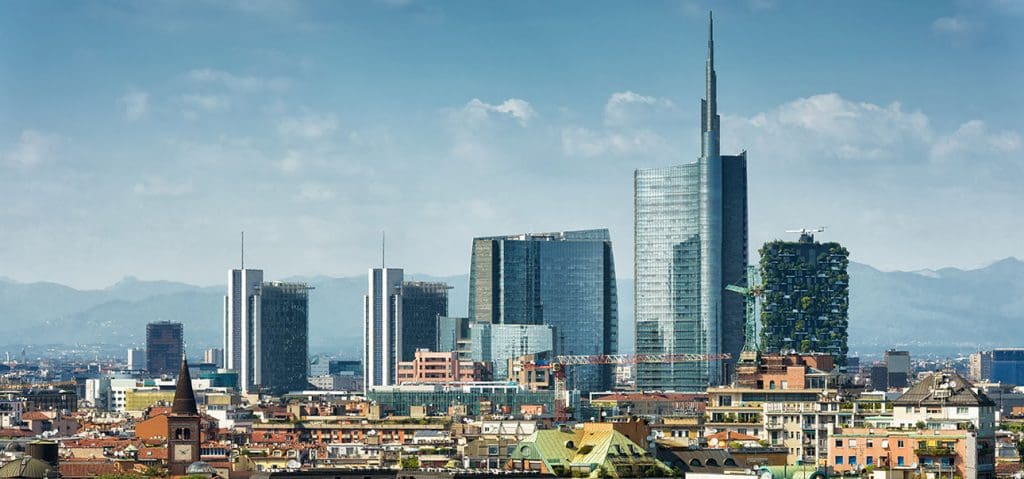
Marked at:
<point>941,311</point>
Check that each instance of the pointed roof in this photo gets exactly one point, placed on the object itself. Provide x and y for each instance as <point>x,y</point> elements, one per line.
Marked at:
<point>945,388</point>
<point>184,397</point>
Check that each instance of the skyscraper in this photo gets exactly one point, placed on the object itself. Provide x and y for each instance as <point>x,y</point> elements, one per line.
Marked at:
<point>136,359</point>
<point>690,240</point>
<point>280,342</point>
<point>239,312</point>
<point>164,346</point>
<point>422,304</point>
<point>806,297</point>
<point>564,280</point>
<point>382,313</point>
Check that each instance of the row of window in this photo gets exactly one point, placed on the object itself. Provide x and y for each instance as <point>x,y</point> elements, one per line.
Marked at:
<point>870,443</point>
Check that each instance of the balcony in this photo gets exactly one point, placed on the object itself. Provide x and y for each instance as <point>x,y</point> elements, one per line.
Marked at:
<point>934,451</point>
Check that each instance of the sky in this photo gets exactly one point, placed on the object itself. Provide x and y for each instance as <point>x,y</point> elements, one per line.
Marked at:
<point>140,138</point>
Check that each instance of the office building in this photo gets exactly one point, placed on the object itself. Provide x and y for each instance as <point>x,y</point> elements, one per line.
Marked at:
<point>979,367</point>
<point>239,313</point>
<point>280,343</point>
<point>165,343</point>
<point>565,280</point>
<point>690,240</point>
<point>136,359</point>
<point>422,304</point>
<point>453,335</point>
<point>498,343</point>
<point>214,356</point>
<point>1008,366</point>
<point>345,366</point>
<point>382,317</point>
<point>879,377</point>
<point>898,368</point>
<point>806,297</point>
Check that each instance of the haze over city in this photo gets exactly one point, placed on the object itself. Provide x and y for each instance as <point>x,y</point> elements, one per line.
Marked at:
<point>140,138</point>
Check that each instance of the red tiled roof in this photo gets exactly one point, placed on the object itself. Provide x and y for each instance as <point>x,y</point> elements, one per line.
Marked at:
<point>35,416</point>
<point>153,454</point>
<point>83,469</point>
<point>729,436</point>
<point>16,433</point>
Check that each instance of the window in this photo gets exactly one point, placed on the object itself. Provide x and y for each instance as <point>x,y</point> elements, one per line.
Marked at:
<point>961,410</point>
<point>839,443</point>
<point>871,460</point>
<point>899,443</point>
<point>839,460</point>
<point>899,461</point>
<point>853,443</point>
<point>852,460</point>
<point>871,443</point>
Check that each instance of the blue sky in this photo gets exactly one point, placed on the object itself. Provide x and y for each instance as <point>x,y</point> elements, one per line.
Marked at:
<point>139,138</point>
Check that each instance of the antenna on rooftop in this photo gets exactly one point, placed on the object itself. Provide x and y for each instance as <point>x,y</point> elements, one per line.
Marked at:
<point>382,250</point>
<point>243,250</point>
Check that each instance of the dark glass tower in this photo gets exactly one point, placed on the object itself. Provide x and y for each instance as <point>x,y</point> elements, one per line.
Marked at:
<point>422,304</point>
<point>690,239</point>
<point>164,346</point>
<point>281,339</point>
<point>564,280</point>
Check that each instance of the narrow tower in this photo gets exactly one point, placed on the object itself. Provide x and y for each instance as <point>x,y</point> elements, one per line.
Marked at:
<point>183,432</point>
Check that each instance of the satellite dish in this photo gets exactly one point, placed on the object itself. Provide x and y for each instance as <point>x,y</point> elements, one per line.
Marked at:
<point>713,442</point>
<point>293,464</point>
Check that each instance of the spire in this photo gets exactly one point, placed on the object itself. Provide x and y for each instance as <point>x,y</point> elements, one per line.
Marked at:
<point>184,398</point>
<point>709,113</point>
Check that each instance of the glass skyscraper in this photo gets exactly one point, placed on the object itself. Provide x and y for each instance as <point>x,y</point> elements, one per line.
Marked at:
<point>281,337</point>
<point>382,316</point>
<point>422,303</point>
<point>690,239</point>
<point>564,280</point>
<point>498,343</point>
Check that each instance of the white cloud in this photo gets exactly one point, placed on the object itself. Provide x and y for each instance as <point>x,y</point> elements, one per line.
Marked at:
<point>206,102</point>
<point>135,103</point>
<point>826,126</point>
<point>309,127</point>
<point>291,162</point>
<point>477,110</point>
<point>315,192</point>
<point>954,25</point>
<point>972,139</point>
<point>33,147</point>
<point>627,107</point>
<point>161,187</point>
<point>237,83</point>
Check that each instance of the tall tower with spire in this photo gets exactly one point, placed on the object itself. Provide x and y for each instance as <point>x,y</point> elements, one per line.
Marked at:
<point>690,237</point>
<point>183,432</point>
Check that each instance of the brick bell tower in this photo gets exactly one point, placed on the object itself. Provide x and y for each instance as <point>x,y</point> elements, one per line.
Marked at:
<point>183,439</point>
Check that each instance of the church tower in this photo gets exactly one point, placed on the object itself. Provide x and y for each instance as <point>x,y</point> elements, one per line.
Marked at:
<point>183,436</point>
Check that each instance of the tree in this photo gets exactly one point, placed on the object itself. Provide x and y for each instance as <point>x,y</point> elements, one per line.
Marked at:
<point>410,462</point>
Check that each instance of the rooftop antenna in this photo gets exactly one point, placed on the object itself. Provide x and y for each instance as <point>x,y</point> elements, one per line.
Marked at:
<point>243,250</point>
<point>382,236</point>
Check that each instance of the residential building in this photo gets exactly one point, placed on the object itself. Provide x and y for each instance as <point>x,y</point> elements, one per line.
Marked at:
<point>924,453</point>
<point>898,368</point>
<point>788,400</point>
<point>498,343</point>
<point>806,297</point>
<point>240,309</point>
<point>422,303</point>
<point>280,344</point>
<point>690,241</point>
<point>1008,366</point>
<point>165,343</point>
<point>136,359</point>
<point>979,366</point>
<point>382,318</point>
<point>945,401</point>
<point>433,367</point>
<point>564,280</point>
<point>531,371</point>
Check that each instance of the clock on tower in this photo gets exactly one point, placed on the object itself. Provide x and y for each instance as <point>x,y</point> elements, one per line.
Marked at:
<point>183,436</point>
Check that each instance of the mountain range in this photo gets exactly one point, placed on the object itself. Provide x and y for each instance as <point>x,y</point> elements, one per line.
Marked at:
<point>942,311</point>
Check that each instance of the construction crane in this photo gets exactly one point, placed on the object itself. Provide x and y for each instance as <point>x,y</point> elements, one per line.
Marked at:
<point>561,363</point>
<point>807,234</point>
<point>752,296</point>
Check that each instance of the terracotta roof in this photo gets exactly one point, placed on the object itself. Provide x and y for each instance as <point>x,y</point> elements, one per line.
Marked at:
<point>729,436</point>
<point>35,416</point>
<point>16,433</point>
<point>74,469</point>
<point>153,454</point>
<point>943,389</point>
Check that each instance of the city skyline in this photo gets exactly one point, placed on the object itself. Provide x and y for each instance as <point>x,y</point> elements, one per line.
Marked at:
<point>313,130</point>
